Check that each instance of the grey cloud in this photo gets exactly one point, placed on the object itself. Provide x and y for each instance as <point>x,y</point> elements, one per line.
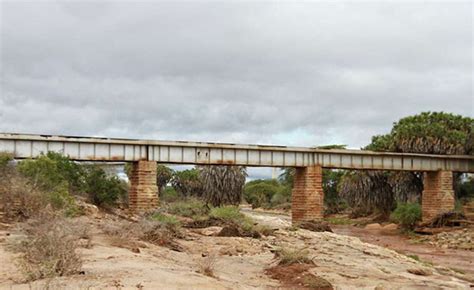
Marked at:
<point>291,73</point>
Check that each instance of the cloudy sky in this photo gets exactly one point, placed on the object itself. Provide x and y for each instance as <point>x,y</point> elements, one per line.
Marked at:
<point>301,74</point>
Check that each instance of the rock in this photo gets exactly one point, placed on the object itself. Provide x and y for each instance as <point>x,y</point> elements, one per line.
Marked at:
<point>210,231</point>
<point>228,251</point>
<point>88,209</point>
<point>230,231</point>
<point>375,226</point>
<point>390,227</point>
<point>315,226</point>
<point>419,271</point>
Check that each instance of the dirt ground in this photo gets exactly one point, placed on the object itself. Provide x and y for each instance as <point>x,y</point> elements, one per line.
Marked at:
<point>241,263</point>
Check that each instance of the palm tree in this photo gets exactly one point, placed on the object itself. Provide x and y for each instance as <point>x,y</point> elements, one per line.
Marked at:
<point>222,184</point>
<point>429,133</point>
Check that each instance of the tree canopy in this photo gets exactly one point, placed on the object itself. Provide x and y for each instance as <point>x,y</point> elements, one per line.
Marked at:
<point>428,133</point>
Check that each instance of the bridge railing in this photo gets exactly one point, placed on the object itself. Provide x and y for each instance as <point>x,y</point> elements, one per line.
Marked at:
<point>178,152</point>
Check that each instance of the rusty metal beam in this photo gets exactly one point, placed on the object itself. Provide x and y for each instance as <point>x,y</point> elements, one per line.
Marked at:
<point>179,152</point>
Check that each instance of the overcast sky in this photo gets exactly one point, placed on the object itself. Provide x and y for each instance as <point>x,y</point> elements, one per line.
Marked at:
<point>299,74</point>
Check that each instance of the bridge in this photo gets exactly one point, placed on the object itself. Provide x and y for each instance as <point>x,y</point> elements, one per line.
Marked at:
<point>307,195</point>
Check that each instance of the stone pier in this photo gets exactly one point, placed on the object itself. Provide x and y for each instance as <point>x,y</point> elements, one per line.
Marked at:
<point>143,194</point>
<point>307,195</point>
<point>438,194</point>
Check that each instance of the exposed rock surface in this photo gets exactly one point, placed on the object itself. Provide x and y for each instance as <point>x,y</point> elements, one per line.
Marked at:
<point>343,261</point>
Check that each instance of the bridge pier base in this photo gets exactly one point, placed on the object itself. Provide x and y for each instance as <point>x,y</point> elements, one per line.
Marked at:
<point>438,194</point>
<point>143,193</point>
<point>307,195</point>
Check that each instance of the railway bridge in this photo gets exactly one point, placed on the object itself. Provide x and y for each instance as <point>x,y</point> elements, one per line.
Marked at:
<point>307,194</point>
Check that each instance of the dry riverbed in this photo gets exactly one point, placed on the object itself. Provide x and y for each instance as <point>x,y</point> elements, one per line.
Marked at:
<point>237,262</point>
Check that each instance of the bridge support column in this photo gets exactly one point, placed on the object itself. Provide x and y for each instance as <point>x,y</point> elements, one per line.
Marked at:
<point>143,194</point>
<point>438,194</point>
<point>307,195</point>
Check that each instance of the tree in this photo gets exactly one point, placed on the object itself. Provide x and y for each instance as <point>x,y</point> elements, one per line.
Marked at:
<point>367,191</point>
<point>222,184</point>
<point>428,133</point>
<point>103,190</point>
<point>260,192</point>
<point>332,199</point>
<point>187,182</point>
<point>164,175</point>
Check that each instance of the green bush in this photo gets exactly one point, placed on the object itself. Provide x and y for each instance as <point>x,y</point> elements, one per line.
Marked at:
<point>190,207</point>
<point>187,182</point>
<point>232,214</point>
<point>169,194</point>
<point>103,190</point>
<point>166,220</point>
<point>60,199</point>
<point>407,215</point>
<point>50,170</point>
<point>5,158</point>
<point>283,196</point>
<point>259,193</point>
<point>43,172</point>
<point>49,174</point>
<point>227,213</point>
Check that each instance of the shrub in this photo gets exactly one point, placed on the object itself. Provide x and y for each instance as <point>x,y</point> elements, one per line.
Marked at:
<point>206,265</point>
<point>43,172</point>
<point>69,170</point>
<point>60,199</point>
<point>190,207</point>
<point>166,220</point>
<point>49,248</point>
<point>169,194</point>
<point>5,158</point>
<point>406,214</point>
<point>160,231</point>
<point>103,191</point>
<point>18,199</point>
<point>50,170</point>
<point>260,192</point>
<point>47,181</point>
<point>283,196</point>
<point>187,182</point>
<point>226,213</point>
<point>231,214</point>
<point>290,257</point>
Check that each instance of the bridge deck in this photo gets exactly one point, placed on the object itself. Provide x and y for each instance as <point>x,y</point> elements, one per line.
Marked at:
<point>178,152</point>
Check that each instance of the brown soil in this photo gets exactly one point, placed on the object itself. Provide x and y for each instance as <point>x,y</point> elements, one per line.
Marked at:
<point>297,276</point>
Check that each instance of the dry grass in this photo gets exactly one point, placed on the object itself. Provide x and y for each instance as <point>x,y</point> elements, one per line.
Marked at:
<point>19,200</point>
<point>290,257</point>
<point>126,234</point>
<point>48,248</point>
<point>206,265</point>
